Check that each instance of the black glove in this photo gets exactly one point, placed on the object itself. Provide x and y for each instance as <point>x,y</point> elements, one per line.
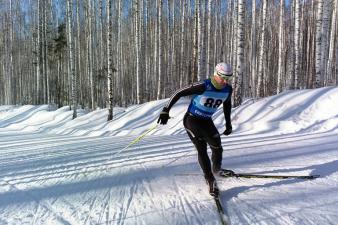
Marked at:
<point>228,130</point>
<point>164,116</point>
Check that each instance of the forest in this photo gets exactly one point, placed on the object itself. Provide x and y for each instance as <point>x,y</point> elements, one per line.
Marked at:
<point>106,53</point>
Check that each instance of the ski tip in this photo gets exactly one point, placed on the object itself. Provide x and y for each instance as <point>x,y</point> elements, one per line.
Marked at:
<point>225,219</point>
<point>314,176</point>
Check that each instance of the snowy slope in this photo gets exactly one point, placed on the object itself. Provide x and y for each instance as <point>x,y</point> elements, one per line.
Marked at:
<point>54,170</point>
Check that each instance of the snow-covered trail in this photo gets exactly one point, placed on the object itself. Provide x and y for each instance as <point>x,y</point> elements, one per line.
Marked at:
<point>55,170</point>
<point>54,179</point>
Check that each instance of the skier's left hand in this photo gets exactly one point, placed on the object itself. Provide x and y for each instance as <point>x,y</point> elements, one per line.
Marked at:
<point>228,130</point>
<point>164,116</point>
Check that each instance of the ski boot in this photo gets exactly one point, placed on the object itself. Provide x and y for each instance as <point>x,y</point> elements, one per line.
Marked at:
<point>223,172</point>
<point>213,188</point>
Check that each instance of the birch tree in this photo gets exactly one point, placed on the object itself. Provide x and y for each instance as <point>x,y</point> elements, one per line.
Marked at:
<point>200,42</point>
<point>209,52</point>
<point>10,50</point>
<point>238,94</point>
<point>280,46</point>
<point>159,29</point>
<point>169,43</point>
<point>333,36</point>
<point>195,43</point>
<point>259,90</point>
<point>319,15</point>
<point>71,57</point>
<point>182,42</point>
<point>119,49</point>
<point>110,59</point>
<point>90,51</point>
<point>44,53</point>
<point>253,48</point>
<point>324,40</point>
<point>137,51</point>
<point>78,50</point>
<point>295,82</point>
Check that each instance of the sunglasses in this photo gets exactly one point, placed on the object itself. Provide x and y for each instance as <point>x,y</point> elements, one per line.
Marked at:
<point>225,76</point>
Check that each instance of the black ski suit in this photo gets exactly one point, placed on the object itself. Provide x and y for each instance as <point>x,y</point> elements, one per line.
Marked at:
<point>202,131</point>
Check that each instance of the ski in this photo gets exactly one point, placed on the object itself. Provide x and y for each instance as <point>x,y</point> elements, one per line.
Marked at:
<point>246,175</point>
<point>220,211</point>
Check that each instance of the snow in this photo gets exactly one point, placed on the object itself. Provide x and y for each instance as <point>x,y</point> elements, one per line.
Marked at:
<point>55,170</point>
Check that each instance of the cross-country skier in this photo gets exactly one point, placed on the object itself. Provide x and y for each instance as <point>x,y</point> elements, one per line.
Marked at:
<point>208,95</point>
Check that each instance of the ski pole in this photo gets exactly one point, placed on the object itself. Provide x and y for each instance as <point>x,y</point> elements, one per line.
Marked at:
<point>137,139</point>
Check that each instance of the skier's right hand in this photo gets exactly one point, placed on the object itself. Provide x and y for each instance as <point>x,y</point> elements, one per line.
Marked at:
<point>228,130</point>
<point>164,116</point>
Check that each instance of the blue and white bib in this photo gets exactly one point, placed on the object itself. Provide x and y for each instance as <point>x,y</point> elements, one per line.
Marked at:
<point>206,104</point>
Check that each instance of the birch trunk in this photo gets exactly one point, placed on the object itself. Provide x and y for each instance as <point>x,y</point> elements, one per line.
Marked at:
<point>109,61</point>
<point>280,47</point>
<point>78,52</point>
<point>182,43</point>
<point>71,56</point>
<point>146,51</point>
<point>199,41</point>
<point>333,36</point>
<point>160,43</point>
<point>209,52</point>
<point>234,35</point>
<point>253,49</point>
<point>43,52</point>
<point>119,50</point>
<point>37,100</point>
<point>90,53</point>
<point>318,79</point>
<point>156,47</point>
<point>11,68</point>
<point>259,90</point>
<point>238,95</point>
<point>324,40</point>
<point>297,45</point>
<point>137,52</point>
<point>195,44</point>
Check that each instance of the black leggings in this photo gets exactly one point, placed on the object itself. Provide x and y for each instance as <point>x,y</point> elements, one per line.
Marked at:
<point>201,133</point>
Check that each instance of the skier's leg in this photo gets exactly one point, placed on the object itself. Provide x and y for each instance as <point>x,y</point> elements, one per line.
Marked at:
<point>215,144</point>
<point>216,152</point>
<point>193,129</point>
<point>214,140</point>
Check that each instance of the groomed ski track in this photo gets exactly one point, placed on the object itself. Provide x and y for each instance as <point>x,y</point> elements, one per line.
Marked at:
<point>55,179</point>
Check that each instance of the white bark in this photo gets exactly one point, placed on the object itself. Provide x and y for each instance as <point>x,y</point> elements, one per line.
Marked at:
<point>238,96</point>
<point>297,45</point>
<point>253,49</point>
<point>137,51</point>
<point>280,47</point>
<point>182,42</point>
<point>159,40</point>
<point>324,40</point>
<point>119,49</point>
<point>259,89</point>
<point>333,37</point>
<point>200,75</point>
<point>11,67</point>
<point>90,52</point>
<point>195,43</point>
<point>109,61</point>
<point>209,52</point>
<point>234,38</point>
<point>38,55</point>
<point>78,50</point>
<point>71,57</point>
<point>146,51</point>
<point>319,16</point>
